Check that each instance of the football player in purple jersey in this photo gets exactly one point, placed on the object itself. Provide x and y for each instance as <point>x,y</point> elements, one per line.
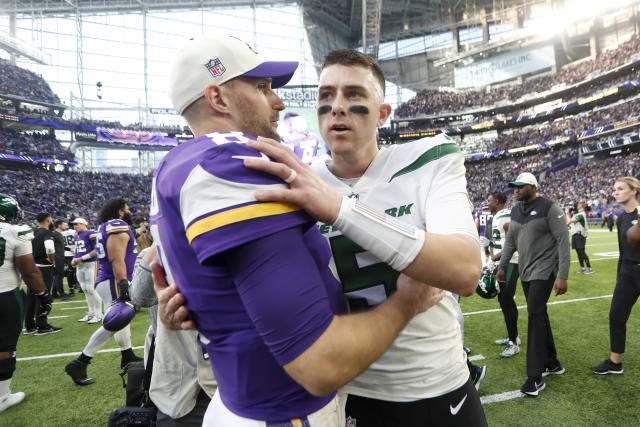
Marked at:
<point>256,276</point>
<point>117,250</point>
<point>85,257</point>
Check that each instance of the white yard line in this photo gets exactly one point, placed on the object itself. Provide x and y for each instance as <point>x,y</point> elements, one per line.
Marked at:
<point>520,307</point>
<point>501,397</point>
<point>56,317</point>
<point>476,358</point>
<point>71,302</point>
<point>84,307</point>
<point>51,356</point>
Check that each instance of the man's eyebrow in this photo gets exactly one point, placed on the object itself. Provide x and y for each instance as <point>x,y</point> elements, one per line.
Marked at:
<point>349,87</point>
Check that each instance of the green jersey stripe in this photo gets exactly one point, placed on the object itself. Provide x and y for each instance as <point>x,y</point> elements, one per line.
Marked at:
<point>434,153</point>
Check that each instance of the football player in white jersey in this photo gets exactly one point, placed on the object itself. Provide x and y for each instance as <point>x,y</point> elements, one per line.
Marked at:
<point>499,228</point>
<point>422,379</point>
<point>69,272</point>
<point>16,264</point>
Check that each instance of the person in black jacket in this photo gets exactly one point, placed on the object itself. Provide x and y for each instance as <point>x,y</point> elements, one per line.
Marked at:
<point>626,190</point>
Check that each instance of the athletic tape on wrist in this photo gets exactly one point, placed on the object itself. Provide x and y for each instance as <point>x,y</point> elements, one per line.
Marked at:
<point>85,257</point>
<point>394,242</point>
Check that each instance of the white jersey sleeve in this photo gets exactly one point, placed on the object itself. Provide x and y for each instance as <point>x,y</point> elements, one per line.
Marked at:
<point>15,241</point>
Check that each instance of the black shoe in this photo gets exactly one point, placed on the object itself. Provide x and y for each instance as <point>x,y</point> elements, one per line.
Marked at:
<point>477,374</point>
<point>46,330</point>
<point>129,359</point>
<point>28,331</point>
<point>557,370</point>
<point>77,370</point>
<point>532,386</point>
<point>607,367</point>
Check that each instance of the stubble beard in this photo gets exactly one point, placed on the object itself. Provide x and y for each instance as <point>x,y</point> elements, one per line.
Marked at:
<point>252,126</point>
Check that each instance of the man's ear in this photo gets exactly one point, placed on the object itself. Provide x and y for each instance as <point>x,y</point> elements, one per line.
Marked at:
<point>217,98</point>
<point>385,112</point>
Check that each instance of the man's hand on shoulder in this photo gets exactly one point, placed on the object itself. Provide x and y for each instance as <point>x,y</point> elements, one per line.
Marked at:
<point>306,189</point>
<point>171,309</point>
<point>419,296</point>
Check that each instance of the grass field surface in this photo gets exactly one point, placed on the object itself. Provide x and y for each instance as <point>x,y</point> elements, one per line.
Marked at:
<point>579,319</point>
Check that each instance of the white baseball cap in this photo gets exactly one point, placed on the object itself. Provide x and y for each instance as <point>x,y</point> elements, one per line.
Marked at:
<point>80,221</point>
<point>206,60</point>
<point>523,179</point>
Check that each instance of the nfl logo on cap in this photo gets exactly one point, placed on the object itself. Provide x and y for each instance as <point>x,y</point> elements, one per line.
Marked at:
<point>215,67</point>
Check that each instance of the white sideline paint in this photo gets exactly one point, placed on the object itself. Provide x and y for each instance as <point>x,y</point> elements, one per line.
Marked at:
<point>51,356</point>
<point>70,302</point>
<point>501,397</point>
<point>476,358</point>
<point>84,307</point>
<point>520,307</point>
<point>56,317</point>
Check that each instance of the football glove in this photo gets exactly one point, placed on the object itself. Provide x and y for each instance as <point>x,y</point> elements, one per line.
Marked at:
<point>123,291</point>
<point>46,301</point>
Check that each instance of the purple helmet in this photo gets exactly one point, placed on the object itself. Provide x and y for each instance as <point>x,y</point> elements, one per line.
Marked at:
<point>119,315</point>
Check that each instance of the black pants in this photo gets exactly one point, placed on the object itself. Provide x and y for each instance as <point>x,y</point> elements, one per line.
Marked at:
<point>578,242</point>
<point>58,287</point>
<point>460,407</point>
<point>541,349</point>
<point>32,306</point>
<point>192,419</point>
<point>625,296</point>
<point>11,314</point>
<point>507,304</point>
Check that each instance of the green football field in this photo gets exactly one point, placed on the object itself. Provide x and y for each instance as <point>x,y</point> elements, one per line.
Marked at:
<point>577,398</point>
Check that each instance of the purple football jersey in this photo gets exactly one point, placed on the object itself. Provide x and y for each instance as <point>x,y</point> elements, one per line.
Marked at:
<point>111,227</point>
<point>304,145</point>
<point>483,219</point>
<point>84,243</point>
<point>202,210</point>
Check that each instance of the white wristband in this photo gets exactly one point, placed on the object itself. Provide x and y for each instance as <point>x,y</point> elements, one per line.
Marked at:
<point>85,257</point>
<point>394,242</point>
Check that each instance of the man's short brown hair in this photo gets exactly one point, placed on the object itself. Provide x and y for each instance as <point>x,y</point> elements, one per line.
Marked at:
<point>350,57</point>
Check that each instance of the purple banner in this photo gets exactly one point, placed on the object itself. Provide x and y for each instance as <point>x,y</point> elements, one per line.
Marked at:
<point>135,137</point>
<point>37,160</point>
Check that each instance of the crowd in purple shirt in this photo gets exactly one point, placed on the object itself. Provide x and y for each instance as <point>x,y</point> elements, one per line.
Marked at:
<point>27,84</point>
<point>39,145</point>
<point>71,194</point>
<point>429,102</point>
<point>591,181</point>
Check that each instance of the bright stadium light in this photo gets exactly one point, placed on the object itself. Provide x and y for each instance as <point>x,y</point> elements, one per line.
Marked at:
<point>576,11</point>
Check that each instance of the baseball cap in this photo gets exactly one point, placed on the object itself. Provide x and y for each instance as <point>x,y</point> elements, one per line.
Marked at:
<point>80,221</point>
<point>206,60</point>
<point>523,179</point>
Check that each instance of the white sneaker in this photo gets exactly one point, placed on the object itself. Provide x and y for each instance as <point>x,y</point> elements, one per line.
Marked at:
<point>589,271</point>
<point>85,318</point>
<point>94,319</point>
<point>11,399</point>
<point>505,341</point>
<point>510,350</point>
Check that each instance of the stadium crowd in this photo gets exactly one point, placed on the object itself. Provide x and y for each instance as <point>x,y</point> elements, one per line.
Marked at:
<point>17,81</point>
<point>32,144</point>
<point>590,181</point>
<point>566,126</point>
<point>435,101</point>
<point>73,194</point>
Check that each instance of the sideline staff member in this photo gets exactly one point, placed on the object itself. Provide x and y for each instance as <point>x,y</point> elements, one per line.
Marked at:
<point>538,231</point>
<point>626,190</point>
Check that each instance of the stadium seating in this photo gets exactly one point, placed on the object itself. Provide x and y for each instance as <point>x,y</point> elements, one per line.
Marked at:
<point>20,82</point>
<point>433,102</point>
<point>32,145</point>
<point>66,194</point>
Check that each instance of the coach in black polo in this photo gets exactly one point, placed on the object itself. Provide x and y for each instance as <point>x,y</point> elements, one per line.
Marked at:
<point>538,231</point>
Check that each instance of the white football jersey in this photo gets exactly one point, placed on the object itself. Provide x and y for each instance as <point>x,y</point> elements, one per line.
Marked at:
<point>68,236</point>
<point>423,183</point>
<point>15,241</point>
<point>498,235</point>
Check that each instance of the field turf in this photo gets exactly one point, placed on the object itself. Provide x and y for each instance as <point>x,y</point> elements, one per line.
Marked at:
<point>578,398</point>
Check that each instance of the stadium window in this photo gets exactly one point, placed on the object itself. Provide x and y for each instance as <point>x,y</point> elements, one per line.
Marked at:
<point>470,35</point>
<point>497,31</point>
